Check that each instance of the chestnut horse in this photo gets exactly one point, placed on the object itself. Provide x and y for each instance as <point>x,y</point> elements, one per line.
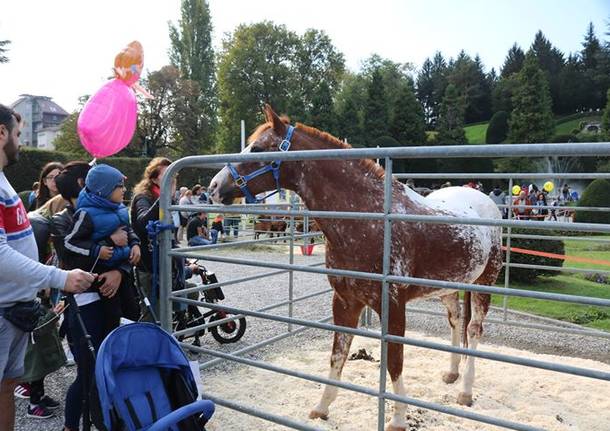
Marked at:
<point>451,252</point>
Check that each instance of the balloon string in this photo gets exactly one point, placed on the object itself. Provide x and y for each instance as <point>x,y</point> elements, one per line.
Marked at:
<point>93,162</point>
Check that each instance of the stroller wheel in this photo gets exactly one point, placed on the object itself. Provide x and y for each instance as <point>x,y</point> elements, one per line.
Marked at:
<point>228,332</point>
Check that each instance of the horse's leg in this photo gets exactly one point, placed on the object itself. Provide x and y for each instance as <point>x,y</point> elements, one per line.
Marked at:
<point>452,303</point>
<point>344,314</point>
<point>396,326</point>
<point>480,305</point>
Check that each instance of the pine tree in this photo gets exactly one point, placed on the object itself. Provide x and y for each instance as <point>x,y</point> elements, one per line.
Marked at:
<point>192,53</point>
<point>513,61</point>
<point>375,111</point>
<point>451,120</point>
<point>551,61</point>
<point>590,49</point>
<point>407,125</point>
<point>531,119</point>
<point>321,113</point>
<point>425,90</point>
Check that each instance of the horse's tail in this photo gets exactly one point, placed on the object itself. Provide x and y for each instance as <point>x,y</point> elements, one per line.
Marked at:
<point>467,315</point>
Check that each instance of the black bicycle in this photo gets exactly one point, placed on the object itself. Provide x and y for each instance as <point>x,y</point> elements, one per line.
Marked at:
<point>230,331</point>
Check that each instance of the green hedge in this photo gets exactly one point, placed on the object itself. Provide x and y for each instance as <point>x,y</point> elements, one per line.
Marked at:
<point>596,194</point>
<point>31,161</point>
<point>545,245</point>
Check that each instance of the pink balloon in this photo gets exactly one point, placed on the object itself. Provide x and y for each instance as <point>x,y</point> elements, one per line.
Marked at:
<point>108,120</point>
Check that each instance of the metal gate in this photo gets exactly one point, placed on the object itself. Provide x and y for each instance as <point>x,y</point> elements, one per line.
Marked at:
<point>297,325</point>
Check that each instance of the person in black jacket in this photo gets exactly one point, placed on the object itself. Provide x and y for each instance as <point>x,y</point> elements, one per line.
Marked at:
<point>145,208</point>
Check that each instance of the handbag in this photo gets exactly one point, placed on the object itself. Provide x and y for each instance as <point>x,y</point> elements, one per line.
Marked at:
<point>24,315</point>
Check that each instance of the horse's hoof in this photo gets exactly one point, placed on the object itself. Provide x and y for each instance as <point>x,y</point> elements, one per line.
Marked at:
<point>450,377</point>
<point>314,414</point>
<point>464,399</point>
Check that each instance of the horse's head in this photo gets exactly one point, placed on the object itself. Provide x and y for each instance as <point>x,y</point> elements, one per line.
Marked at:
<point>248,179</point>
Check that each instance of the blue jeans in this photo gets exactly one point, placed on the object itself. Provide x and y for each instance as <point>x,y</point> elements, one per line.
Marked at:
<point>214,235</point>
<point>198,240</point>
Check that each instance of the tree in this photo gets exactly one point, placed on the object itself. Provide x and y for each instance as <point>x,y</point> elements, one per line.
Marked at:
<point>502,94</point>
<point>451,120</point>
<point>349,109</point>
<point>498,128</point>
<point>572,87</point>
<point>3,49</point>
<point>531,119</point>
<point>321,114</point>
<point>513,61</point>
<point>192,53</point>
<point>318,67</point>
<point>591,48</point>
<point>407,125</point>
<point>551,61</point>
<point>595,70</point>
<point>67,140</point>
<point>255,67</point>
<point>468,77</point>
<point>425,90</point>
<point>375,110</point>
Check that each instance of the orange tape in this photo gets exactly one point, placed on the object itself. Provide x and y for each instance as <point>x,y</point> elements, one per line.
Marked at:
<point>558,256</point>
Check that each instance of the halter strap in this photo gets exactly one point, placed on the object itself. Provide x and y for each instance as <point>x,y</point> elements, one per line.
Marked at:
<point>241,181</point>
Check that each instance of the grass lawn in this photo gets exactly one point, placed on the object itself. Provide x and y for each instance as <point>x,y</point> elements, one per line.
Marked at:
<point>568,284</point>
<point>476,134</point>
<point>568,126</point>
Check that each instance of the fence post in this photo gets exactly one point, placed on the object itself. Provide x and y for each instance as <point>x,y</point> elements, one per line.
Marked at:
<point>507,260</point>
<point>291,257</point>
<point>385,294</point>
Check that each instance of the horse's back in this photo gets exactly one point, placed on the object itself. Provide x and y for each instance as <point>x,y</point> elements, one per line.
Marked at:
<point>464,201</point>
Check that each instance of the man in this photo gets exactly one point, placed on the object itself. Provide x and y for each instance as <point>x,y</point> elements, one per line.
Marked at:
<point>196,231</point>
<point>21,276</point>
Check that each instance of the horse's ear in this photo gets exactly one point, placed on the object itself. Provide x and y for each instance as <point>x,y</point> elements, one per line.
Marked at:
<point>278,125</point>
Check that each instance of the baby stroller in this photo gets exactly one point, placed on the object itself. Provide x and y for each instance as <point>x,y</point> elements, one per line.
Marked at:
<point>144,382</point>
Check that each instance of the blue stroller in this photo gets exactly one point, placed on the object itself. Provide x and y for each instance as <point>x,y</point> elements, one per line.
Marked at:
<point>144,382</point>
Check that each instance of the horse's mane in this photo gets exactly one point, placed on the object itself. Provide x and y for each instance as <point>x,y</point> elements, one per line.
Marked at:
<point>368,164</point>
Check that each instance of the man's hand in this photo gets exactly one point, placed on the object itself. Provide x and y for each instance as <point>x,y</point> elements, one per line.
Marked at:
<point>134,255</point>
<point>106,252</point>
<point>119,237</point>
<point>78,281</point>
<point>111,283</point>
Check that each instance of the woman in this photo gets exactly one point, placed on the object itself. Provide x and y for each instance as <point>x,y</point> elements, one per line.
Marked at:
<point>145,208</point>
<point>48,188</point>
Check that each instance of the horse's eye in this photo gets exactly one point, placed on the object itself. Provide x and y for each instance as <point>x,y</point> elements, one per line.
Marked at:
<point>255,149</point>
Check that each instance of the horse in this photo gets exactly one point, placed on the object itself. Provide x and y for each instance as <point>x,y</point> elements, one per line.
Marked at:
<point>268,225</point>
<point>451,252</point>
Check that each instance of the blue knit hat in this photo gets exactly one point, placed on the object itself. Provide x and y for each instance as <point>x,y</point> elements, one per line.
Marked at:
<point>103,179</point>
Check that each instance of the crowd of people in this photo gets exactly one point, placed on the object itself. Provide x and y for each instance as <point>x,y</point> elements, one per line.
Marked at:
<point>79,243</point>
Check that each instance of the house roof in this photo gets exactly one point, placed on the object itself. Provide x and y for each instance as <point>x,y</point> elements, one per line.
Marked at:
<point>47,106</point>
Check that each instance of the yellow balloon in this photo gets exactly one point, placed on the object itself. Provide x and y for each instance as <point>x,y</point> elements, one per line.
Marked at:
<point>548,186</point>
<point>516,190</point>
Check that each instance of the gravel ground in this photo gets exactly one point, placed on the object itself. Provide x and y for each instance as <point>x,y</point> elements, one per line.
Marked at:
<point>260,293</point>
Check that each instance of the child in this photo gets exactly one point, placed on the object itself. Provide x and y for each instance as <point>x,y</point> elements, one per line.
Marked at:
<point>216,229</point>
<point>100,212</point>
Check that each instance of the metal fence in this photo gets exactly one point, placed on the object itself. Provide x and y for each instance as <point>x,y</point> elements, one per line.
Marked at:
<point>297,325</point>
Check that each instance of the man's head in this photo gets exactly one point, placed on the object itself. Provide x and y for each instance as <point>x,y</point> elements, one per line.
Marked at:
<point>201,215</point>
<point>10,130</point>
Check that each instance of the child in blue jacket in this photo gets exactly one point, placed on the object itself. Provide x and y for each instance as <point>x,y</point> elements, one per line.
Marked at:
<point>100,213</point>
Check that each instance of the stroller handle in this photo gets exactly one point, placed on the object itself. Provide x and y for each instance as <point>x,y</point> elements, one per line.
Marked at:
<point>206,407</point>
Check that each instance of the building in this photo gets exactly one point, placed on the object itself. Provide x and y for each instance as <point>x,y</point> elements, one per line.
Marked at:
<point>42,118</point>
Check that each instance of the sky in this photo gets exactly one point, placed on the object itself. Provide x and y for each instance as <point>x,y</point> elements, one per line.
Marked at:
<point>65,48</point>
